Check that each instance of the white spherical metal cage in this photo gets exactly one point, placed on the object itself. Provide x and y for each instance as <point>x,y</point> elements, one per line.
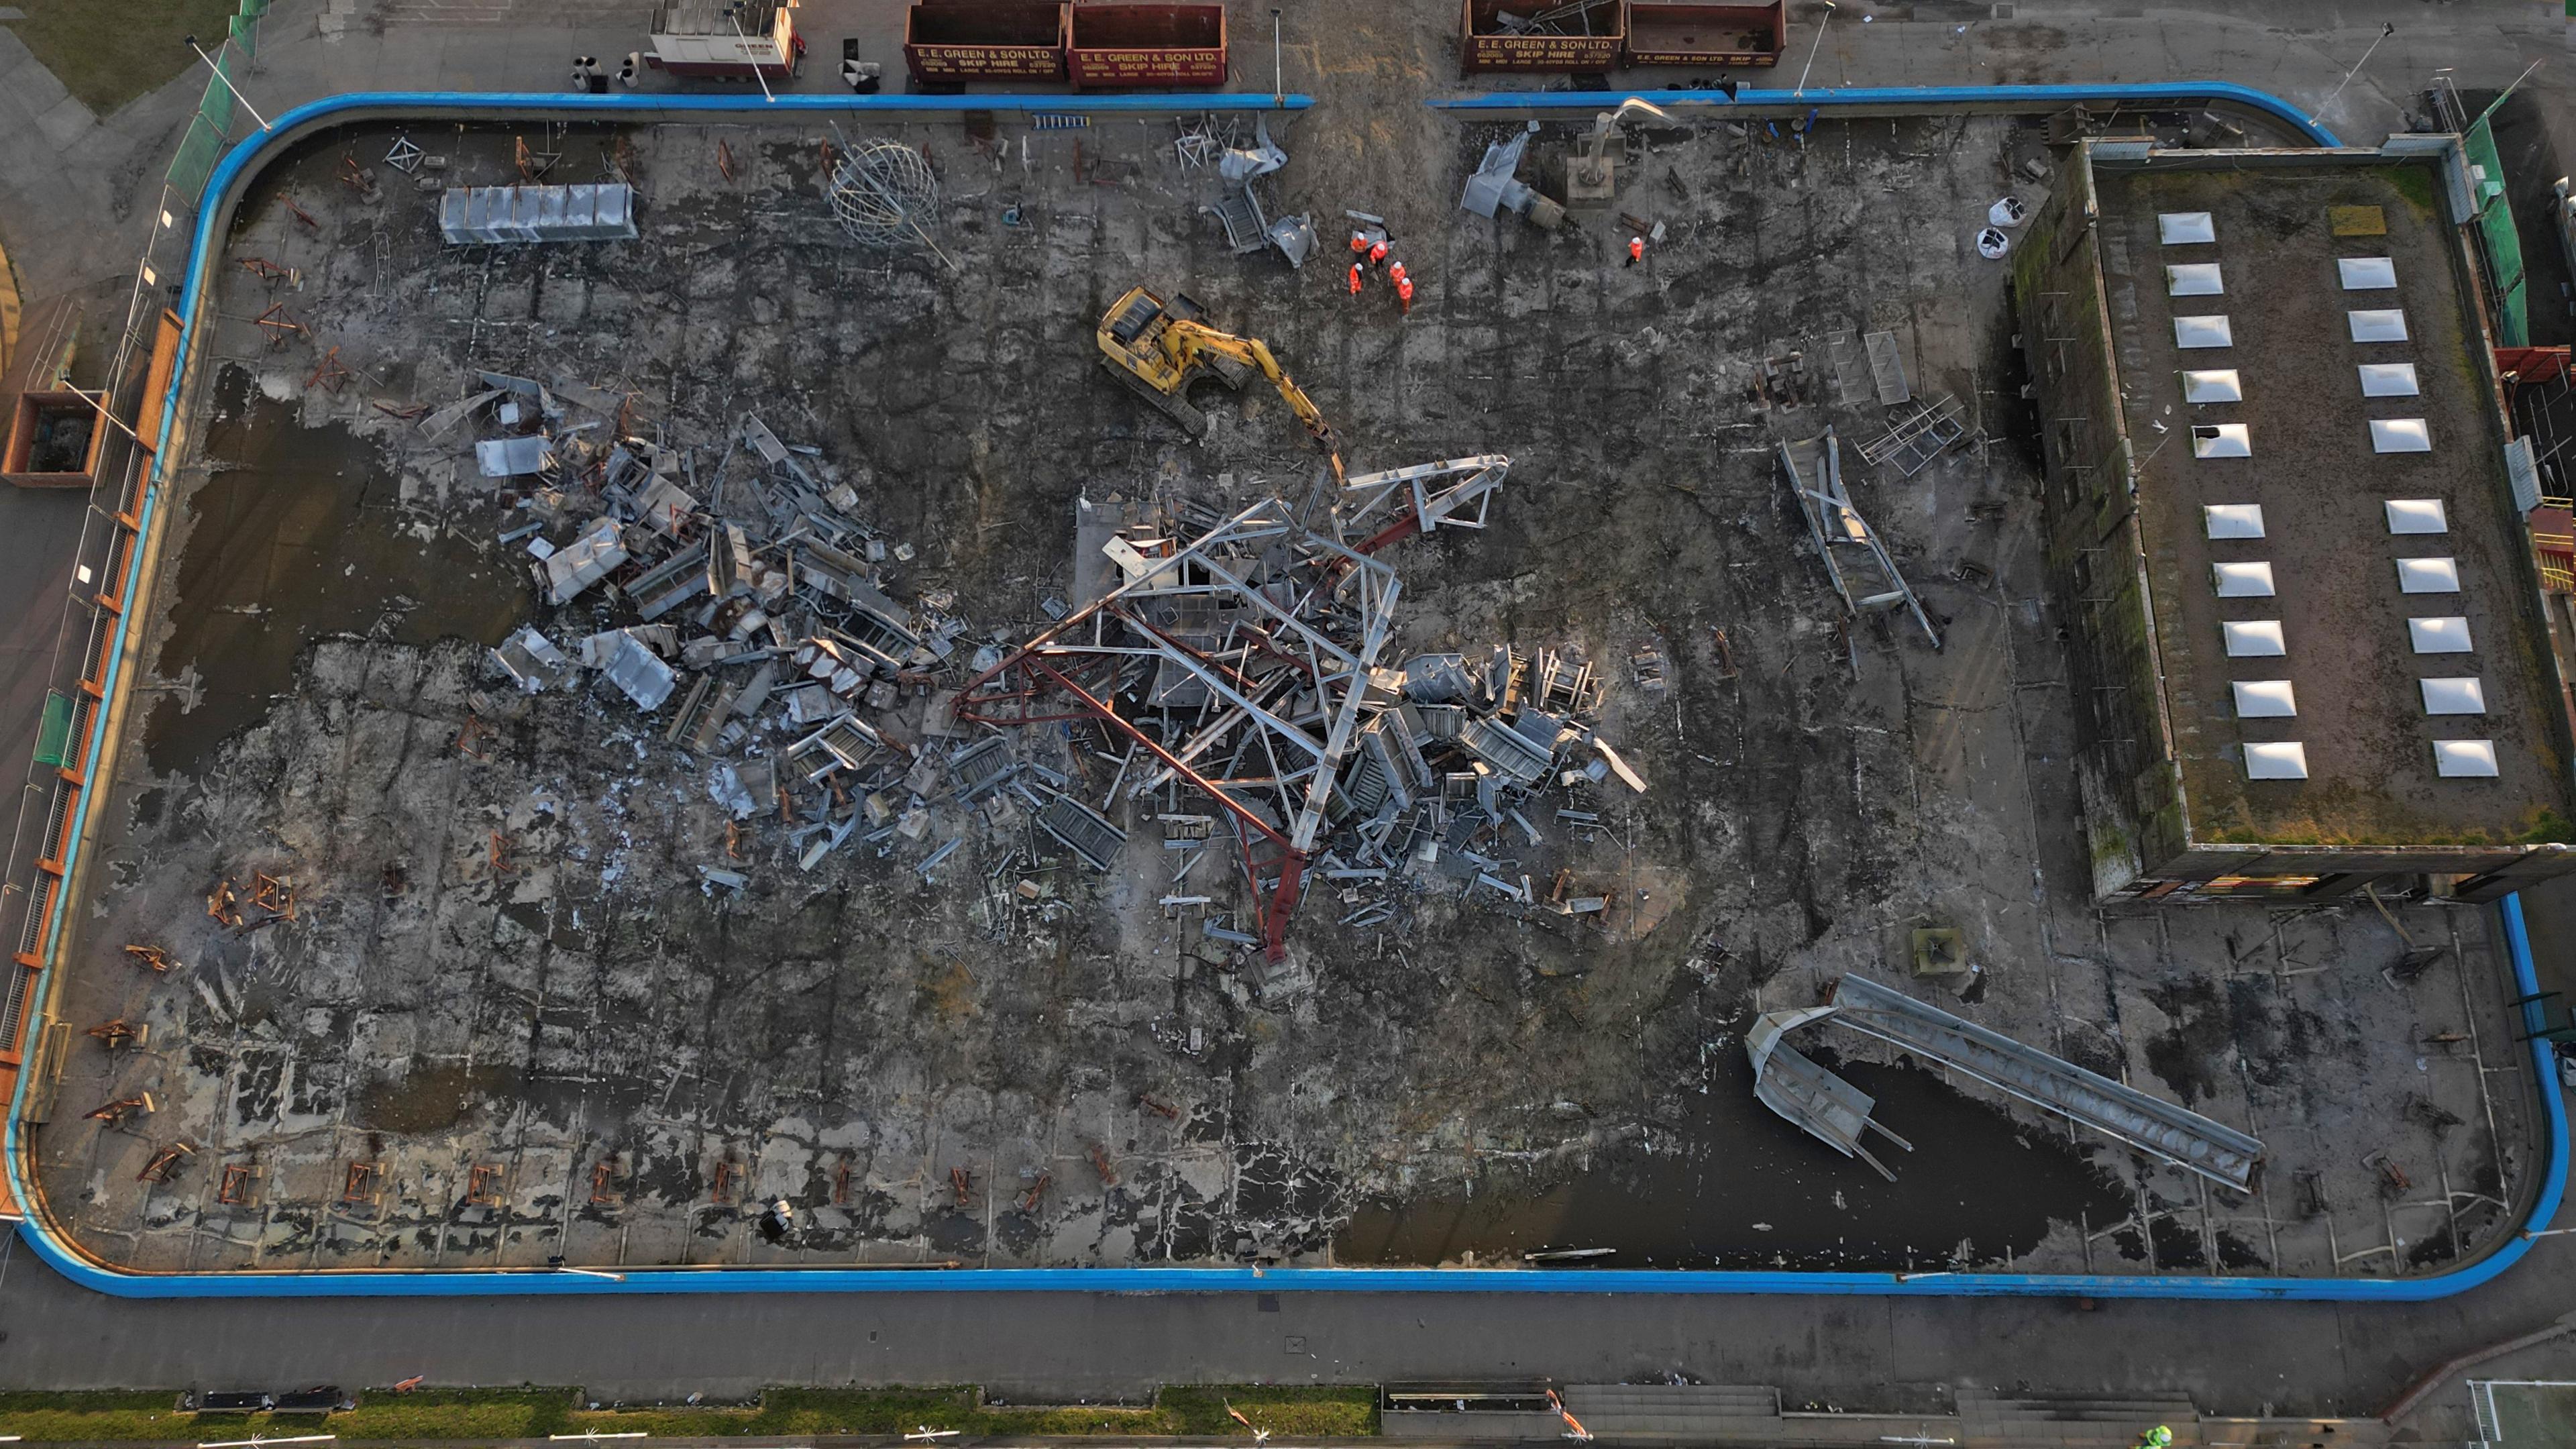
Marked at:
<point>883,192</point>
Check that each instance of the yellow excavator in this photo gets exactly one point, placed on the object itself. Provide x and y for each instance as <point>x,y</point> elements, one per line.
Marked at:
<point>1159,348</point>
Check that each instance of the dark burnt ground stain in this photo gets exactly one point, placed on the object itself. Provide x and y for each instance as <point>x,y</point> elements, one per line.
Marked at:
<point>1752,1191</point>
<point>2188,1054</point>
<point>301,537</point>
<point>429,1098</point>
<point>2274,1034</point>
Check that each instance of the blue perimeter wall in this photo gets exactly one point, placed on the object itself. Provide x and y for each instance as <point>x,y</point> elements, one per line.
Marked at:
<point>243,161</point>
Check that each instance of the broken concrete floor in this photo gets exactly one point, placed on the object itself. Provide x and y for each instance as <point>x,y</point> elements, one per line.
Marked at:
<point>512,1017</point>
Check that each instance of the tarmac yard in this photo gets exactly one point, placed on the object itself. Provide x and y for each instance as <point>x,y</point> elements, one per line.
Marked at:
<point>458,976</point>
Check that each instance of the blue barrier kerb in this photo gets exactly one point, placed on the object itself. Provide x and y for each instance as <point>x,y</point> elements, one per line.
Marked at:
<point>238,164</point>
<point>2030,98</point>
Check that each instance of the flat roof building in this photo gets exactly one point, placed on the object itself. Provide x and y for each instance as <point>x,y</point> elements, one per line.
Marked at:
<point>2307,626</point>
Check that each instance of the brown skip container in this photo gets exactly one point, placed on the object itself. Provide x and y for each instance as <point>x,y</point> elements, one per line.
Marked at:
<point>1487,46</point>
<point>1148,45</point>
<point>1685,32</point>
<point>945,40</point>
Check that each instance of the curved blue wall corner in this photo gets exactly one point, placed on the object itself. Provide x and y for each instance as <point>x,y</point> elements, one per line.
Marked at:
<point>241,162</point>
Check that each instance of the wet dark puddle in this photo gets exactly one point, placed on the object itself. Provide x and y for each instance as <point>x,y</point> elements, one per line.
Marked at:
<point>299,536</point>
<point>1747,1190</point>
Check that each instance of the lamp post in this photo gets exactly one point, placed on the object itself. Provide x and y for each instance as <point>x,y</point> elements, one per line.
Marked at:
<point>1811,50</point>
<point>228,83</point>
<point>734,13</point>
<point>2385,30</point>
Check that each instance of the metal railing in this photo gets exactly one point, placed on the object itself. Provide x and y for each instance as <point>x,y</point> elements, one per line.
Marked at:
<point>109,545</point>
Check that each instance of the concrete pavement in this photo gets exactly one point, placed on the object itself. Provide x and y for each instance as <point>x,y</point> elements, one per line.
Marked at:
<point>1871,1354</point>
<point>78,185</point>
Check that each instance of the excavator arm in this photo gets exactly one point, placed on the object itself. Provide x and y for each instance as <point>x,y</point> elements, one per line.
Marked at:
<point>1188,342</point>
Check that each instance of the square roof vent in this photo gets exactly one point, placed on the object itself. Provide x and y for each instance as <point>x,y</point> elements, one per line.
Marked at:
<point>2400,435</point>
<point>2254,638</point>
<point>2464,759</point>
<point>2242,580</point>
<point>2194,279</point>
<point>2439,634</point>
<point>2214,386</point>
<point>2428,576</point>
<point>2276,760</point>
<point>2265,699</point>
<point>2389,379</point>
<point>2213,331</point>
<point>2220,440</point>
<point>2366,274</point>
<point>2417,515</point>
<point>2388,325</point>
<point>2233,520</point>
<point>2179,228</point>
<point>2461,695</point>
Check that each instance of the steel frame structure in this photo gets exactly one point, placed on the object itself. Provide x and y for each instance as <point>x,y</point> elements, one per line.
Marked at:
<point>1098,663</point>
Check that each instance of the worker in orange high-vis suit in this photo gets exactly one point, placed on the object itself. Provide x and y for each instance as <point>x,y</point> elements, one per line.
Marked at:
<point>1355,279</point>
<point>1404,294</point>
<point>1359,245</point>
<point>1377,254</point>
<point>1636,250</point>
<point>1395,273</point>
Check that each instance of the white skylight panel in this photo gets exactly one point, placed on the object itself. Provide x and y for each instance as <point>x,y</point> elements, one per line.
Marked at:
<point>2366,274</point>
<point>2417,515</point>
<point>2217,385</point>
<point>2179,228</point>
<point>2242,580</point>
<point>2378,325</point>
<point>2221,440</point>
<point>2212,331</point>
<point>2400,435</point>
<point>2265,699</point>
<point>2254,638</point>
<point>2276,760</point>
<point>2233,520</point>
<point>2389,379</point>
<point>2428,575</point>
<point>2464,759</point>
<point>2194,279</point>
<point>2464,694</point>
<point>2439,634</point>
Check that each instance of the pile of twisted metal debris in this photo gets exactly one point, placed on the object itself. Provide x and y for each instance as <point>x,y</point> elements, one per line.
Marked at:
<point>1238,660</point>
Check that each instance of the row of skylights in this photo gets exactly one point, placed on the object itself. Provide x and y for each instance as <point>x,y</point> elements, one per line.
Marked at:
<point>2288,759</point>
<point>2440,634</point>
<point>2407,517</point>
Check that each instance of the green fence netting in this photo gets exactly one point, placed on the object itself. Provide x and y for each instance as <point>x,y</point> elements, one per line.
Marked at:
<point>217,107</point>
<point>246,34</point>
<point>198,152</point>
<point>2496,230</point>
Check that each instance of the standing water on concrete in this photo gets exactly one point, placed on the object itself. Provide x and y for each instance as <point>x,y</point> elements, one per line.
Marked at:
<point>302,533</point>
<point>1729,1185</point>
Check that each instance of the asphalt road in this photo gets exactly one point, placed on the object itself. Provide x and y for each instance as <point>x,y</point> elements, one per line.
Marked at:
<point>1858,1353</point>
